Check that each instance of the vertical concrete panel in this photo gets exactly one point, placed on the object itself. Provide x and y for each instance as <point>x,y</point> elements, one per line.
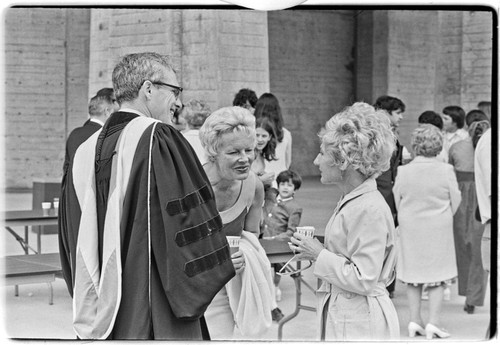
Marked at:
<point>117,32</point>
<point>477,58</point>
<point>412,54</point>
<point>448,63</point>
<point>311,72</point>
<point>45,75</point>
<point>100,63</point>
<point>77,65</point>
<point>380,63</point>
<point>364,22</point>
<point>200,56</point>
<point>223,51</point>
<point>242,59</point>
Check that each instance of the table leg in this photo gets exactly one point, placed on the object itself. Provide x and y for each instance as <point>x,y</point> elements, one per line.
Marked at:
<point>39,240</point>
<point>287,318</point>
<point>26,238</point>
<point>298,280</point>
<point>23,242</point>
<point>51,294</point>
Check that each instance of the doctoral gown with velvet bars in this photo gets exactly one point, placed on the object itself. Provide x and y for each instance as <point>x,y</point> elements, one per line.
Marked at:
<point>189,263</point>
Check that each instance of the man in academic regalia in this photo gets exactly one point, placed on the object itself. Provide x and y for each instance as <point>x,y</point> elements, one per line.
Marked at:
<point>141,244</point>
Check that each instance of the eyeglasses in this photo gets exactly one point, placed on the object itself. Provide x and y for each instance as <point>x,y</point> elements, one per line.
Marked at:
<point>176,89</point>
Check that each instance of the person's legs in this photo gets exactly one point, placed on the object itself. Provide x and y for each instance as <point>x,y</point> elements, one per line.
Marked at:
<point>486,247</point>
<point>478,278</point>
<point>414,294</point>
<point>219,317</point>
<point>486,257</point>
<point>435,302</point>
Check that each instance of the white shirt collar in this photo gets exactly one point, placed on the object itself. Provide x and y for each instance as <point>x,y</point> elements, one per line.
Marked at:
<point>279,199</point>
<point>97,121</point>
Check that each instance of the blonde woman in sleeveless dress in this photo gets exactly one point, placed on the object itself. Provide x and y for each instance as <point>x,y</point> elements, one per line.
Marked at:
<point>228,136</point>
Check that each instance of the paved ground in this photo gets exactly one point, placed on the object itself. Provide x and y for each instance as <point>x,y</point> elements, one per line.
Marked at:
<point>30,317</point>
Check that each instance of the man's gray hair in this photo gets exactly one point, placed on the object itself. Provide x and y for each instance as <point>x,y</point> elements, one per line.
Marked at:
<point>134,69</point>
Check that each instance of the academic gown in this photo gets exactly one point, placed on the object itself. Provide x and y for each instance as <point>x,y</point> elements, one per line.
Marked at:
<point>185,253</point>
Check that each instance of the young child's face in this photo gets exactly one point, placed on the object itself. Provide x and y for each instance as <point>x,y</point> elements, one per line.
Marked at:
<point>286,189</point>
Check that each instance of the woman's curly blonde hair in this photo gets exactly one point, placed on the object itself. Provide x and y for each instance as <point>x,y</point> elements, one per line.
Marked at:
<point>222,121</point>
<point>361,137</point>
<point>426,141</point>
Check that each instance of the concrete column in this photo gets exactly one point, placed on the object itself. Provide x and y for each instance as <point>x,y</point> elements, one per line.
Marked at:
<point>222,52</point>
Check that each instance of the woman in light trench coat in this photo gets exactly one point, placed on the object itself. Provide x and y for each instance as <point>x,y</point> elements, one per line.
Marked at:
<point>358,257</point>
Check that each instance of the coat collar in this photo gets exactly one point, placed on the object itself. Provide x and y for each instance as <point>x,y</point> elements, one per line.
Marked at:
<point>369,185</point>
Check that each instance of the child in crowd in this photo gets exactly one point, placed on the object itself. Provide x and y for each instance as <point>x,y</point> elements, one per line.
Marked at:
<point>283,219</point>
<point>284,215</point>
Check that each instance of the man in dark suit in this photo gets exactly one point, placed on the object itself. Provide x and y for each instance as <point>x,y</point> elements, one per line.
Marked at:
<point>395,109</point>
<point>101,106</point>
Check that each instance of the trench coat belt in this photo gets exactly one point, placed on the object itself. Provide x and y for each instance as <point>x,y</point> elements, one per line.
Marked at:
<point>379,290</point>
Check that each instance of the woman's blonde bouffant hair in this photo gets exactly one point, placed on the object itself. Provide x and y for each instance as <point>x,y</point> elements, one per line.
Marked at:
<point>361,137</point>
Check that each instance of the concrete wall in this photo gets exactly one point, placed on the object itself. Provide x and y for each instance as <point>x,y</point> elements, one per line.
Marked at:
<point>311,73</point>
<point>428,59</point>
<point>215,52</point>
<point>46,76</point>
<point>316,62</point>
<point>477,58</point>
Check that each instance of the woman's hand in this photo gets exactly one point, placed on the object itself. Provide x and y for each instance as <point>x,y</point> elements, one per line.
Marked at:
<point>306,248</point>
<point>238,261</point>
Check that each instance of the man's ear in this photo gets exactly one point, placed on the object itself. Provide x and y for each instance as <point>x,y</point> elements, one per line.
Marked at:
<point>146,89</point>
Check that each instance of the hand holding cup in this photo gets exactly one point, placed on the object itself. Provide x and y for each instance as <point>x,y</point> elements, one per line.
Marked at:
<point>304,244</point>
<point>236,255</point>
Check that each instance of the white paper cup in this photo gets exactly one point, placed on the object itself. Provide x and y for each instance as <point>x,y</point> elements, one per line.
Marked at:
<point>46,208</point>
<point>56,203</point>
<point>307,231</point>
<point>234,243</point>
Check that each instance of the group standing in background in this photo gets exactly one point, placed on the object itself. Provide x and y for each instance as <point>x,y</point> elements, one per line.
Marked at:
<point>147,203</point>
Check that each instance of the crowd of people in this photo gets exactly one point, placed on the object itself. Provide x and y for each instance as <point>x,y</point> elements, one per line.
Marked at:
<point>152,188</point>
